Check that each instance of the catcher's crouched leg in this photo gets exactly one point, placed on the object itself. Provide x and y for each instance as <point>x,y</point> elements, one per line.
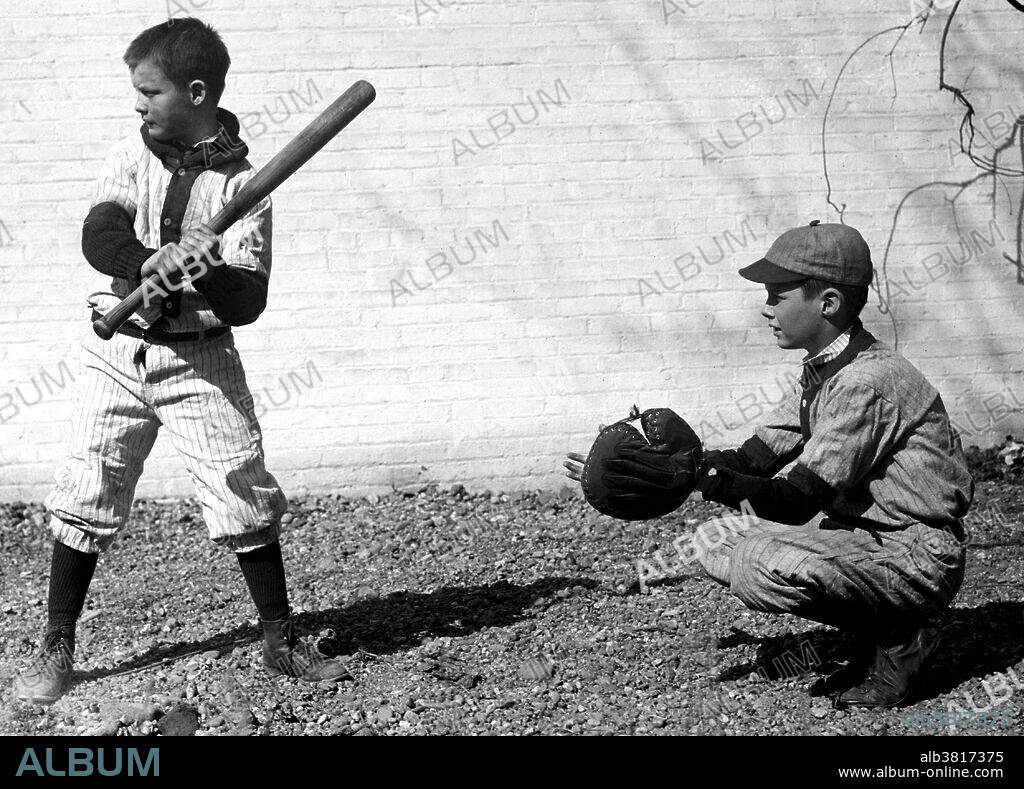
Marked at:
<point>715,541</point>
<point>764,576</point>
<point>810,572</point>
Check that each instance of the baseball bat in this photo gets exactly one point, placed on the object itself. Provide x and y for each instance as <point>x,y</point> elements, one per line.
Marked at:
<point>289,159</point>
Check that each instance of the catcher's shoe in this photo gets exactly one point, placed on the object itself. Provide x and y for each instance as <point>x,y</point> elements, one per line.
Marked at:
<point>841,674</point>
<point>898,664</point>
<point>48,677</point>
<point>284,654</point>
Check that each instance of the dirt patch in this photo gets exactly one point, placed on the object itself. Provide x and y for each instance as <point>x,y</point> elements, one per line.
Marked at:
<point>464,612</point>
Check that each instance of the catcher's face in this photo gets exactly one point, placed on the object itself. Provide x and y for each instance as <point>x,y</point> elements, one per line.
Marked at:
<point>797,321</point>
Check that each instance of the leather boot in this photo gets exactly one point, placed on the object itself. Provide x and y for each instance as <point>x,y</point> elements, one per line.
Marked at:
<point>899,661</point>
<point>843,674</point>
<point>48,677</point>
<point>284,654</point>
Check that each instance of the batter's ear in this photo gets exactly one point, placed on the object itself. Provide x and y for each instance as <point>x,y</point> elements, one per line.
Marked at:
<point>197,91</point>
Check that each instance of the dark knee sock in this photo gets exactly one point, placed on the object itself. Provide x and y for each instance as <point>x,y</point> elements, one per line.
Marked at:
<point>263,569</point>
<point>70,574</point>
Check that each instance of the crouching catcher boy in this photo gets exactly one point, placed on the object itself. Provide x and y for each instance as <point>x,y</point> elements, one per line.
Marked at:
<point>865,531</point>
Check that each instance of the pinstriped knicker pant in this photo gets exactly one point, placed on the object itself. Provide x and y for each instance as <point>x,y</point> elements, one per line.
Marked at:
<point>845,577</point>
<point>127,389</point>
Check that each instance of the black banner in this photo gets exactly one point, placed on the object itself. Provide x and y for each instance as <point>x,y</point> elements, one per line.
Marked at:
<point>835,760</point>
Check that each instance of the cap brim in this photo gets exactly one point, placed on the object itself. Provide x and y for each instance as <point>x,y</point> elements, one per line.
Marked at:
<point>767,273</point>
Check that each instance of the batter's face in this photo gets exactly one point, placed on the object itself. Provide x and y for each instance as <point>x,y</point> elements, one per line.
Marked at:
<point>170,113</point>
<point>796,320</point>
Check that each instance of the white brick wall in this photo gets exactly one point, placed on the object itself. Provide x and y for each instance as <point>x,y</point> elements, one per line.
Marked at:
<point>487,373</point>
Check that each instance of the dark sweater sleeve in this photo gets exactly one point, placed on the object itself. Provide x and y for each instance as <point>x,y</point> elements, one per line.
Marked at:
<point>793,499</point>
<point>739,460</point>
<point>109,242</point>
<point>761,459</point>
<point>236,289</point>
<point>236,295</point>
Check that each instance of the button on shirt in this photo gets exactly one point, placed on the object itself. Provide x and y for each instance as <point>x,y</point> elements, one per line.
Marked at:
<point>824,356</point>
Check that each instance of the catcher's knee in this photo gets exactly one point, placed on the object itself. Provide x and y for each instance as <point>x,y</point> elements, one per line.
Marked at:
<point>754,579</point>
<point>711,551</point>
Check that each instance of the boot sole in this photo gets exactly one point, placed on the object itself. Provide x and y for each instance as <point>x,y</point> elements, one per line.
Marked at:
<point>30,697</point>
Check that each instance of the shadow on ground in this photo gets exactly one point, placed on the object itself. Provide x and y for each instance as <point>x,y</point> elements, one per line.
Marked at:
<point>975,642</point>
<point>382,625</point>
<point>402,619</point>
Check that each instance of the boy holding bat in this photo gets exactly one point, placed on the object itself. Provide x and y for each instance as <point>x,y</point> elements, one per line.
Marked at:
<point>872,448</point>
<point>174,363</point>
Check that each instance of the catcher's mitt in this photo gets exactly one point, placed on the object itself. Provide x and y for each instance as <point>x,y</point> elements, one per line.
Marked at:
<point>632,477</point>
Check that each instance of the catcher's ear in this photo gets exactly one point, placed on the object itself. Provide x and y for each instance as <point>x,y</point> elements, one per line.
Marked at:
<point>831,302</point>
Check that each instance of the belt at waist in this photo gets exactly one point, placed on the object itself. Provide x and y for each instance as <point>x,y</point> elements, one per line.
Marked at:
<point>155,334</point>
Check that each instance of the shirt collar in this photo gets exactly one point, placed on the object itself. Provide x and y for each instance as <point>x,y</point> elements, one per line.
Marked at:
<point>224,146</point>
<point>830,351</point>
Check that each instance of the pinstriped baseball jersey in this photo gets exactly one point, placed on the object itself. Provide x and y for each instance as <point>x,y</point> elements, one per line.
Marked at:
<point>137,180</point>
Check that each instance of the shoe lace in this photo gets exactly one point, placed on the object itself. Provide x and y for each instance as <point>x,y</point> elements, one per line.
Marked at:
<point>56,656</point>
<point>57,640</point>
<point>878,677</point>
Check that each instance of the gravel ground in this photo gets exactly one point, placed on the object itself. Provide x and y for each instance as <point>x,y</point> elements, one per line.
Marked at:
<point>477,613</point>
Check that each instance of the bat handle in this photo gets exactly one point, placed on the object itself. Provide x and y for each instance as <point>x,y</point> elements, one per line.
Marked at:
<point>106,325</point>
<point>102,328</point>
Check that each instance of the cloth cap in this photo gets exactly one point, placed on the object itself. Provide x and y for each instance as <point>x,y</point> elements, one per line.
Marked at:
<point>833,253</point>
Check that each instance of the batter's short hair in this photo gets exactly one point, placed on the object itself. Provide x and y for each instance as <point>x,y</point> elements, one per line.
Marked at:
<point>854,296</point>
<point>185,49</point>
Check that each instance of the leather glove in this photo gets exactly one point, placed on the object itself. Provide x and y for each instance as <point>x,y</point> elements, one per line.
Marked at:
<point>636,476</point>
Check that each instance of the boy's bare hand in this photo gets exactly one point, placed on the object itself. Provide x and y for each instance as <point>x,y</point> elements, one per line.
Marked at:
<point>575,462</point>
<point>165,261</point>
<point>193,256</point>
<point>574,465</point>
<point>202,242</point>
